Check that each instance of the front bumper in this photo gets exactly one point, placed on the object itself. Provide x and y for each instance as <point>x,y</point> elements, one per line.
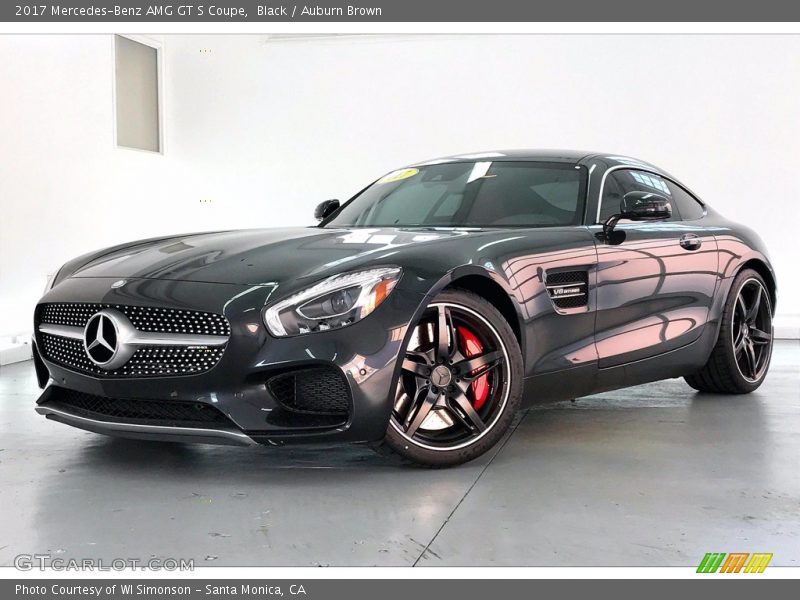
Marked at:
<point>364,355</point>
<point>163,433</point>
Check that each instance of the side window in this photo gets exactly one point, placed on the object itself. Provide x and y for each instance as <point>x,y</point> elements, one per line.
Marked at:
<point>687,204</point>
<point>620,182</point>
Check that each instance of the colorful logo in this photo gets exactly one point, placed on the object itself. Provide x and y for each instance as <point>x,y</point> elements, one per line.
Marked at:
<point>735,562</point>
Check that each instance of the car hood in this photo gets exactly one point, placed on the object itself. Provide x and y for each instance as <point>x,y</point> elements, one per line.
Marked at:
<point>258,256</point>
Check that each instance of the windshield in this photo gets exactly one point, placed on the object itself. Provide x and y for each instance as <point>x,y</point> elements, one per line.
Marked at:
<point>470,194</point>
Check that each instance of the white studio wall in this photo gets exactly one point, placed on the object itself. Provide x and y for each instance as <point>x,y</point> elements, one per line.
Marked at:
<point>257,130</point>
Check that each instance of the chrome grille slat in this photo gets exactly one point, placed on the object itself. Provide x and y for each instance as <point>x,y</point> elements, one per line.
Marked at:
<point>143,338</point>
<point>67,331</point>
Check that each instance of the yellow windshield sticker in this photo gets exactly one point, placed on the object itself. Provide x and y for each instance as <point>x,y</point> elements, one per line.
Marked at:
<point>398,175</point>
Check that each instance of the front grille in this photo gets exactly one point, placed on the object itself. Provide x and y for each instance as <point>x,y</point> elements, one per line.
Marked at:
<point>568,289</point>
<point>147,361</point>
<point>315,390</point>
<point>143,318</point>
<point>146,412</point>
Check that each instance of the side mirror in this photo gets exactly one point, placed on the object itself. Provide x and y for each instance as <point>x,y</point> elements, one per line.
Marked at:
<point>640,206</point>
<point>644,206</point>
<point>325,209</point>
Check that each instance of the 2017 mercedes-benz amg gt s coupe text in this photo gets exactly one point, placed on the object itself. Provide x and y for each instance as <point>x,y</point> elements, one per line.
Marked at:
<point>419,316</point>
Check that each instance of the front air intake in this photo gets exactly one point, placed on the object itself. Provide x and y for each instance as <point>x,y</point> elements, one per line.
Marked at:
<point>170,413</point>
<point>313,390</point>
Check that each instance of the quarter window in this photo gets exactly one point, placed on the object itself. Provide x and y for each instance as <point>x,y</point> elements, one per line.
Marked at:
<point>689,207</point>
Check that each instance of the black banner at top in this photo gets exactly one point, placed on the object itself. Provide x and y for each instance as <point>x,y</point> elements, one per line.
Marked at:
<point>392,11</point>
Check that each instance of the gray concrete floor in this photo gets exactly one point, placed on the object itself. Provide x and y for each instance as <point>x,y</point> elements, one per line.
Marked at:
<point>653,475</point>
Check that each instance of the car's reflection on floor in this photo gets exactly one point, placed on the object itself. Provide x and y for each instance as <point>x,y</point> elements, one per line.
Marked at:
<point>654,474</point>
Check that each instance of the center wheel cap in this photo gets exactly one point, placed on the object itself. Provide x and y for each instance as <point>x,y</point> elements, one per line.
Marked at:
<point>441,376</point>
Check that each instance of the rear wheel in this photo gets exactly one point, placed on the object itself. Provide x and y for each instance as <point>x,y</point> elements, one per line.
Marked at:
<point>460,383</point>
<point>740,360</point>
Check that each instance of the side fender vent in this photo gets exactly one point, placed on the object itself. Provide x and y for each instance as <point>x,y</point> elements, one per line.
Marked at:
<point>568,289</point>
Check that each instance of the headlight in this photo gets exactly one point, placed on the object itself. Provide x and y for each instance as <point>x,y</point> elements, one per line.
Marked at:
<point>333,303</point>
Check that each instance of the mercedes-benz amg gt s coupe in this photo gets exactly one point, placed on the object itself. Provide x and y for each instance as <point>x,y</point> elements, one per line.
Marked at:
<point>418,316</point>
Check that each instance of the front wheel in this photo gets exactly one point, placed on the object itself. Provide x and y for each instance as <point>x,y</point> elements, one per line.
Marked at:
<point>460,383</point>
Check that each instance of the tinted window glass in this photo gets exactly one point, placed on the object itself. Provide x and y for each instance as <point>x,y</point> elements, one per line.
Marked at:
<point>470,194</point>
<point>620,182</point>
<point>688,206</point>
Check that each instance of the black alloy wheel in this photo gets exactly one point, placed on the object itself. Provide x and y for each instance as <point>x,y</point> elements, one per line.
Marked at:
<point>751,333</point>
<point>459,384</point>
<point>740,359</point>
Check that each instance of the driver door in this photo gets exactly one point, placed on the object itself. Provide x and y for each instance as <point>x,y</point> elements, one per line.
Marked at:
<point>655,279</point>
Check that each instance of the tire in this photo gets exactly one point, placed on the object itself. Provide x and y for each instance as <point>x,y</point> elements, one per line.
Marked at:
<point>740,359</point>
<point>455,399</point>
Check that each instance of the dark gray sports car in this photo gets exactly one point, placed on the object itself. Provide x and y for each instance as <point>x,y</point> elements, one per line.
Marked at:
<point>418,316</point>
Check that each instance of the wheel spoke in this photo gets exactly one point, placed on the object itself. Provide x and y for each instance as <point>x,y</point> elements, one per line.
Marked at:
<point>741,306</point>
<point>418,369</point>
<point>737,352</point>
<point>760,337</point>
<point>750,355</point>
<point>416,400</point>
<point>484,362</point>
<point>424,409</point>
<point>470,418</point>
<point>426,356</point>
<point>442,334</point>
<point>752,312</point>
<point>738,344</point>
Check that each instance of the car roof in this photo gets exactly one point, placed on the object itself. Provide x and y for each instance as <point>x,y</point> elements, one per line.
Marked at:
<point>565,156</point>
<point>544,155</point>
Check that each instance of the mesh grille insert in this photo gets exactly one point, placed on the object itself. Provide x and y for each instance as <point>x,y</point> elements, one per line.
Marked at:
<point>150,412</point>
<point>144,318</point>
<point>148,361</point>
<point>316,390</point>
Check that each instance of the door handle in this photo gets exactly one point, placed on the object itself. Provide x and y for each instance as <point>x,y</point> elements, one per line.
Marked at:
<point>690,242</point>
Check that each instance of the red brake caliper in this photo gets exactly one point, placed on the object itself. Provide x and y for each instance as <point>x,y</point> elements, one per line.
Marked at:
<point>471,346</point>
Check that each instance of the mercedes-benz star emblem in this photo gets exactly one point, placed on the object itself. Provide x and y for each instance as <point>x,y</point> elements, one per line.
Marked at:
<point>100,338</point>
<point>441,376</point>
<point>107,339</point>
